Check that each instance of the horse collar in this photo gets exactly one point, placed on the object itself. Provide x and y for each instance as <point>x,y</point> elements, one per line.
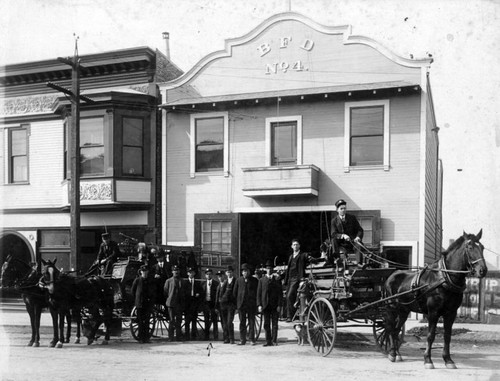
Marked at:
<point>448,283</point>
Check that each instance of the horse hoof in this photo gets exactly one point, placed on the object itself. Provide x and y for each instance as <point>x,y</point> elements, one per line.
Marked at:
<point>59,344</point>
<point>52,344</point>
<point>66,341</point>
<point>30,344</point>
<point>399,358</point>
<point>77,341</point>
<point>105,342</point>
<point>451,365</point>
<point>429,366</point>
<point>392,358</point>
<point>89,341</point>
<point>36,345</point>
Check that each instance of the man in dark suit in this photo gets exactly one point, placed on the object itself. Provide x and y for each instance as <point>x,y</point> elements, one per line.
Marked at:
<point>142,291</point>
<point>192,305</point>
<point>175,292</point>
<point>227,305</point>
<point>345,230</point>
<point>209,297</point>
<point>269,296</point>
<point>245,292</point>
<point>295,271</point>
<point>108,254</point>
<point>160,275</point>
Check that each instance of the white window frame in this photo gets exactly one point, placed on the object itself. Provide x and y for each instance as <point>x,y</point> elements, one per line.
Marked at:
<point>292,118</point>
<point>7,149</point>
<point>207,115</point>
<point>347,134</point>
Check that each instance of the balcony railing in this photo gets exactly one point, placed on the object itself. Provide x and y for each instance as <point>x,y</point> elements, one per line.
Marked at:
<point>291,180</point>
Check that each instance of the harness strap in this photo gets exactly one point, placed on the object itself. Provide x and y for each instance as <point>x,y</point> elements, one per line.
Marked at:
<point>448,283</point>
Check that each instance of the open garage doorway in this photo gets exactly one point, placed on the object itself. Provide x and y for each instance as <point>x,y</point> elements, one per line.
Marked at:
<point>265,236</point>
<point>12,244</point>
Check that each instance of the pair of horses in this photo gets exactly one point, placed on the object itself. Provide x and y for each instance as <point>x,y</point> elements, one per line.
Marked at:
<point>64,295</point>
<point>24,278</point>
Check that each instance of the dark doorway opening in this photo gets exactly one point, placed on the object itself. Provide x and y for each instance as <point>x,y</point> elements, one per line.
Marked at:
<point>398,257</point>
<point>12,244</point>
<point>265,236</point>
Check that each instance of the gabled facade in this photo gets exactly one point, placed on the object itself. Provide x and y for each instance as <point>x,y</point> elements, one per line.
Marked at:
<point>119,136</point>
<point>260,140</point>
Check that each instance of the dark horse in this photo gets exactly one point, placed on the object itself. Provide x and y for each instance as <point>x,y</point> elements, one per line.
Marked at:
<point>442,294</point>
<point>90,294</point>
<point>24,278</point>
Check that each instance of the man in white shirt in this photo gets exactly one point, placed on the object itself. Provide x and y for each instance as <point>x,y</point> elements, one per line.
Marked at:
<point>209,294</point>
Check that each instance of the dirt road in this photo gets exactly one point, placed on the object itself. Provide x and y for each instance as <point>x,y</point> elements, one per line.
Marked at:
<point>354,358</point>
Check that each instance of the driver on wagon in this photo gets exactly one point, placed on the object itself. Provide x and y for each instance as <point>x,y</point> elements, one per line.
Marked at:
<point>345,230</point>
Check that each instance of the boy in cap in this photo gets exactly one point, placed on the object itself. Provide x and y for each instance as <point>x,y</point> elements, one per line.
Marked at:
<point>108,254</point>
<point>245,292</point>
<point>209,297</point>
<point>175,292</point>
<point>228,305</point>
<point>192,305</point>
<point>345,230</point>
<point>269,296</point>
<point>142,291</point>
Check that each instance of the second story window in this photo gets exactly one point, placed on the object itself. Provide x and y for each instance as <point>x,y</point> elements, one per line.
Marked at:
<point>284,141</point>
<point>18,155</point>
<point>367,134</point>
<point>133,146</point>
<point>92,146</point>
<point>209,143</point>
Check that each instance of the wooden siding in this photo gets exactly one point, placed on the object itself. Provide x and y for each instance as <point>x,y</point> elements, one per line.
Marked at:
<point>394,192</point>
<point>46,146</point>
<point>133,191</point>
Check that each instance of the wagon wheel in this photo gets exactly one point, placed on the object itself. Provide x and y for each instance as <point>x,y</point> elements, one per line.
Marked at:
<point>382,338</point>
<point>161,318</point>
<point>321,326</point>
<point>257,327</point>
<point>134,324</point>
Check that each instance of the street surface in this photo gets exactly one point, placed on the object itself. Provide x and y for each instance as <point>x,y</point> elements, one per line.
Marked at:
<point>355,357</point>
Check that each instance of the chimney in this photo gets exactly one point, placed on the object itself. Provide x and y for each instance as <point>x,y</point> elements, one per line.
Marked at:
<point>166,36</point>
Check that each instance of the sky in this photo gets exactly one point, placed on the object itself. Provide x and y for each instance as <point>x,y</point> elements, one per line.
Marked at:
<point>462,36</point>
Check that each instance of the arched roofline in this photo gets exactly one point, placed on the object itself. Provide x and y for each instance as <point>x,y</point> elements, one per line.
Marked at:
<point>345,30</point>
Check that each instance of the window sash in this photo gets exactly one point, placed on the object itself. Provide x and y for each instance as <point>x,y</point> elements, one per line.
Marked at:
<point>366,142</point>
<point>133,147</point>
<point>216,236</point>
<point>92,146</point>
<point>209,143</point>
<point>283,143</point>
<point>18,155</point>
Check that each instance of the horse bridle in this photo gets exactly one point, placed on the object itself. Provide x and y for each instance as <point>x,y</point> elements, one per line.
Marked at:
<point>471,262</point>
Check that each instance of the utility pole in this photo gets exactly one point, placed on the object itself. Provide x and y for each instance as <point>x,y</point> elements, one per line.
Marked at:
<point>74,148</point>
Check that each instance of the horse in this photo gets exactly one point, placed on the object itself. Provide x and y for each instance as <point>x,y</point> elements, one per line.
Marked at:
<point>441,295</point>
<point>90,294</point>
<point>21,275</point>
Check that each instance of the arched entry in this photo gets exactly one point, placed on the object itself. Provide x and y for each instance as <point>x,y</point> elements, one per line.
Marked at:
<point>12,243</point>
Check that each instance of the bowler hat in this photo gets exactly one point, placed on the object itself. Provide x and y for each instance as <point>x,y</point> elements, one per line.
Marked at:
<point>244,266</point>
<point>269,263</point>
<point>340,202</point>
<point>229,268</point>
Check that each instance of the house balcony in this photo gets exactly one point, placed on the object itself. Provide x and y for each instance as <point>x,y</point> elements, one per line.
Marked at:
<point>294,180</point>
<point>104,192</point>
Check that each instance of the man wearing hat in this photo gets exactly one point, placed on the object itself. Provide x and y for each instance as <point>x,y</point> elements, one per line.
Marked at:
<point>295,271</point>
<point>209,298</point>
<point>142,291</point>
<point>192,305</point>
<point>160,275</point>
<point>345,230</point>
<point>245,292</point>
<point>108,254</point>
<point>227,305</point>
<point>175,292</point>
<point>269,296</point>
